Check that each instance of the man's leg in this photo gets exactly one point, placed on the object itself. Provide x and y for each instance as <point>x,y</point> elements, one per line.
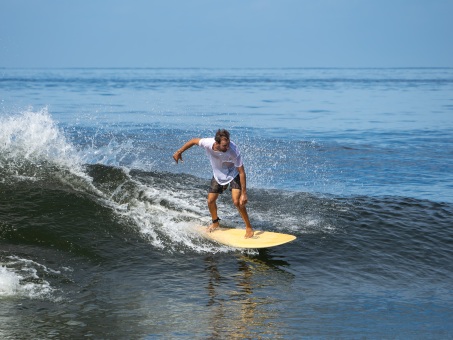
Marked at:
<point>212,205</point>
<point>236,195</point>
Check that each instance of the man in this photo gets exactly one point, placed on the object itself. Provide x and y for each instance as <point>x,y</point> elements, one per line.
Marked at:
<point>226,162</point>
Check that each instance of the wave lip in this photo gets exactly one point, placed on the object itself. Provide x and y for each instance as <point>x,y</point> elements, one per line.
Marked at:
<point>33,139</point>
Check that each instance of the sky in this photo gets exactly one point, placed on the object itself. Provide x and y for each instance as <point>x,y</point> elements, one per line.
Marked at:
<point>226,33</point>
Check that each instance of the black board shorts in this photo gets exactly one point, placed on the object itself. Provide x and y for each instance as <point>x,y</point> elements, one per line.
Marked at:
<point>217,188</point>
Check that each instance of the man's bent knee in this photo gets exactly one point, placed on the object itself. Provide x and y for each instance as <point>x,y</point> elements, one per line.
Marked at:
<point>212,198</point>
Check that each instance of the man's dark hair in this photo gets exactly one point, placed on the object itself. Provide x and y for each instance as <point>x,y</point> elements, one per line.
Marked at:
<point>221,133</point>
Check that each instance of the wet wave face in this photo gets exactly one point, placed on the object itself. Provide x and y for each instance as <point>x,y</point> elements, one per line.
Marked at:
<point>44,171</point>
<point>47,187</point>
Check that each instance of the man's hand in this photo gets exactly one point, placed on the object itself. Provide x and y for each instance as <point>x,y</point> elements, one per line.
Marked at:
<point>243,199</point>
<point>177,156</point>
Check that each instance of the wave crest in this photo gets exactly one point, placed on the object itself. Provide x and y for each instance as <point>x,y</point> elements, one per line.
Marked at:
<point>30,140</point>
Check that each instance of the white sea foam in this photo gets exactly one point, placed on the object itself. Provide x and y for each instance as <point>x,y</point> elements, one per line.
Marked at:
<point>23,278</point>
<point>32,144</point>
<point>35,137</point>
<point>9,282</point>
<point>167,219</point>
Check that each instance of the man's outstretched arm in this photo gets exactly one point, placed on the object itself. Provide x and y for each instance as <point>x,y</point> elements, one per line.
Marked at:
<point>178,154</point>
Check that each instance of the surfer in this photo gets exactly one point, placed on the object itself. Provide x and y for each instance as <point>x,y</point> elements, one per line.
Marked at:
<point>228,170</point>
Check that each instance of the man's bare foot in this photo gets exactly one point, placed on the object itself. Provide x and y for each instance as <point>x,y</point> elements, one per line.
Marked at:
<point>215,224</point>
<point>249,233</point>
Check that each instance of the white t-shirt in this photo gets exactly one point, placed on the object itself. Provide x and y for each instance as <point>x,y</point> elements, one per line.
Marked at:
<point>224,164</point>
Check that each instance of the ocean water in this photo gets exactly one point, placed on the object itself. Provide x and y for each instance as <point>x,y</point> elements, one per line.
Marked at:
<point>96,219</point>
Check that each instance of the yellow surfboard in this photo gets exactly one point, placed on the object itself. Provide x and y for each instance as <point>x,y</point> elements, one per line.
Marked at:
<point>235,238</point>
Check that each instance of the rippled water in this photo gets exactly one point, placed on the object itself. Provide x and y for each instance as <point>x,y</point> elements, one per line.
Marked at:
<point>96,228</point>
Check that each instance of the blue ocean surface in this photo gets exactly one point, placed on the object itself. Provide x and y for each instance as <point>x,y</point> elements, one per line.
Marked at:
<point>97,220</point>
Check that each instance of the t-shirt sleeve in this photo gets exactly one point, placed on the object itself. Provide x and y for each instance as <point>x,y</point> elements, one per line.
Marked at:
<point>238,162</point>
<point>205,143</point>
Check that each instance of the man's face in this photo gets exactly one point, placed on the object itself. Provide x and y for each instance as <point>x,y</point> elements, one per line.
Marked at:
<point>224,145</point>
